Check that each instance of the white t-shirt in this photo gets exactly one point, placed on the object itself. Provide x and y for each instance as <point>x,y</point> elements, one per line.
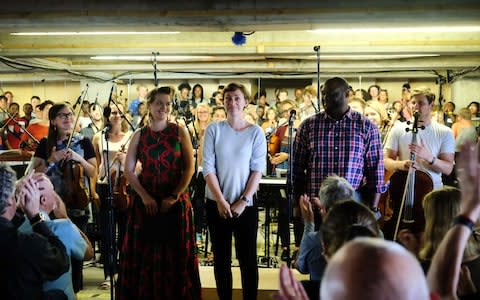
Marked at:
<point>113,148</point>
<point>437,138</point>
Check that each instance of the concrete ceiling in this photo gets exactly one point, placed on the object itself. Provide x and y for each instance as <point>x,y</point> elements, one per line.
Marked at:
<point>279,47</point>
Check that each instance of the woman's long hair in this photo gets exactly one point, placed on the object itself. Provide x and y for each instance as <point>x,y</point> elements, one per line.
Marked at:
<point>52,129</point>
<point>440,207</point>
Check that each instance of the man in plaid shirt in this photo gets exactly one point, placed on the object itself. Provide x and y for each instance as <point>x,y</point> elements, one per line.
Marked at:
<point>338,141</point>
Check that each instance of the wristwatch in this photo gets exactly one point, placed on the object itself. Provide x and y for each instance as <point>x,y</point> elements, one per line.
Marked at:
<point>433,160</point>
<point>37,219</point>
<point>375,209</point>
<point>244,198</point>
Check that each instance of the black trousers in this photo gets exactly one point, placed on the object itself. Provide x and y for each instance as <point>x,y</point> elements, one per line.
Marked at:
<point>112,239</point>
<point>244,229</point>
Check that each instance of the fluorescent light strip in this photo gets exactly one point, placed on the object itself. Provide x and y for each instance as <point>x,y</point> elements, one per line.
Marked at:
<point>97,33</point>
<point>373,56</point>
<point>440,29</point>
<point>150,57</point>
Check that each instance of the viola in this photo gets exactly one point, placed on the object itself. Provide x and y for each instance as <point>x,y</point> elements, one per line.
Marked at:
<point>406,192</point>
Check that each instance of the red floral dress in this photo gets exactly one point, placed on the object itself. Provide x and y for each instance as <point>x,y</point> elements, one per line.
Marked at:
<point>158,258</point>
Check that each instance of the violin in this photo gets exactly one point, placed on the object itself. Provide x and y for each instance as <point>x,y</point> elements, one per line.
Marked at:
<point>120,187</point>
<point>275,140</point>
<point>75,193</point>
<point>406,192</point>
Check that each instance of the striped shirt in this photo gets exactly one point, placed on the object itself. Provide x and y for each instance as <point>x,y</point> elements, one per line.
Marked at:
<point>349,147</point>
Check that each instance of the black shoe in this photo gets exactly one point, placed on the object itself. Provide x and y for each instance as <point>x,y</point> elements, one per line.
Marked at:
<point>294,256</point>
<point>284,256</point>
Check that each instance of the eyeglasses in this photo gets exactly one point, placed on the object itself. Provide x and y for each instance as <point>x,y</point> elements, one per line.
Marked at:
<point>64,116</point>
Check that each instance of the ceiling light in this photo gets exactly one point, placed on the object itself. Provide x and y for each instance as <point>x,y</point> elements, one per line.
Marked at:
<point>371,56</point>
<point>440,29</point>
<point>97,33</point>
<point>150,57</point>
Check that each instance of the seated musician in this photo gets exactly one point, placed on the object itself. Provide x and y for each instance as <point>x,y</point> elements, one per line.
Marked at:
<point>38,129</point>
<point>435,145</point>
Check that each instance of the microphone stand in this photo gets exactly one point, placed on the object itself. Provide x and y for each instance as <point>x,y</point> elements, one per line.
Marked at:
<point>291,121</point>
<point>109,230</point>
<point>317,50</point>
<point>130,125</point>
<point>155,80</point>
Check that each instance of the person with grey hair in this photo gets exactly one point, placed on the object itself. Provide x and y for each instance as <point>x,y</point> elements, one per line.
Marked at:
<point>310,259</point>
<point>26,260</point>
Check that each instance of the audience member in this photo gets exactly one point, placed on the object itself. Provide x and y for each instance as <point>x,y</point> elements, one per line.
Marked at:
<point>27,260</point>
<point>310,259</point>
<point>76,243</point>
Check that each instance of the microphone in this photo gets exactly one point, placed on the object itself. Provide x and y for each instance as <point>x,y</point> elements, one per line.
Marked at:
<point>107,111</point>
<point>293,113</point>
<point>316,48</point>
<point>107,127</point>
<point>78,99</point>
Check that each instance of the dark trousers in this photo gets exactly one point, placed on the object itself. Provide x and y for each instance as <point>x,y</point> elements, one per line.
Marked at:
<point>77,265</point>
<point>244,229</point>
<point>110,244</point>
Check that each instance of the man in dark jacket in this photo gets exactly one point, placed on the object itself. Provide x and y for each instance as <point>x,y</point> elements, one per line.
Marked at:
<point>26,260</point>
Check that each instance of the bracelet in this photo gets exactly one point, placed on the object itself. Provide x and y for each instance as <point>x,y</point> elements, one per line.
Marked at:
<point>462,220</point>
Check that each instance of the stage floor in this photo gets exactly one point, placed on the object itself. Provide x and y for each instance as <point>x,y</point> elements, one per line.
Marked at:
<point>268,276</point>
<point>268,283</point>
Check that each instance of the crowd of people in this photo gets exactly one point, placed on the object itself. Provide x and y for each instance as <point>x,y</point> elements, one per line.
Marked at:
<point>156,174</point>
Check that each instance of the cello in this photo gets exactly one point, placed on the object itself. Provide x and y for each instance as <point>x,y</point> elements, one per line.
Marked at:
<point>406,192</point>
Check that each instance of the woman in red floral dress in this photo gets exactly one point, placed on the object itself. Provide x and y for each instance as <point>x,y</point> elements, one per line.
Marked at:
<point>158,258</point>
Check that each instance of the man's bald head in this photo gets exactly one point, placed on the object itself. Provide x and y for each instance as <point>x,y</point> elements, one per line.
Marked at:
<point>370,268</point>
<point>335,96</point>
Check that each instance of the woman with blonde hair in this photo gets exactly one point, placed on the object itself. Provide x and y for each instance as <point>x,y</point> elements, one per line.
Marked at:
<point>440,208</point>
<point>377,114</point>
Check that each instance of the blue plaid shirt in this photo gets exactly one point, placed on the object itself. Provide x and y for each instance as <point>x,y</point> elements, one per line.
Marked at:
<point>349,147</point>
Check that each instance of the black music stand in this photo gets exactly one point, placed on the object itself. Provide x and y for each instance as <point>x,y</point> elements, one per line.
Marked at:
<point>268,190</point>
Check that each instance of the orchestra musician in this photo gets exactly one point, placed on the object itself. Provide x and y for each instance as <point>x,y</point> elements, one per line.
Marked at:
<point>69,167</point>
<point>435,148</point>
<point>278,156</point>
<point>118,139</point>
<point>38,129</point>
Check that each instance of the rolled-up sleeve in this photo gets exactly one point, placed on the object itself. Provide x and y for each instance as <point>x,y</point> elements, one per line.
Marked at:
<point>375,170</point>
